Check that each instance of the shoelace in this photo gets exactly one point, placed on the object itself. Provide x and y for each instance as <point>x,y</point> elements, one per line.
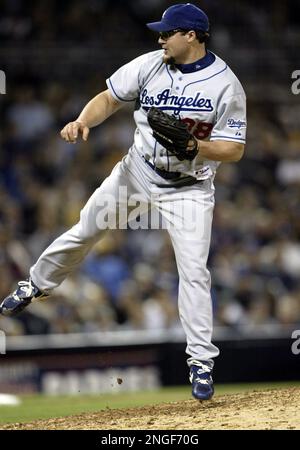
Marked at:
<point>26,287</point>
<point>202,369</point>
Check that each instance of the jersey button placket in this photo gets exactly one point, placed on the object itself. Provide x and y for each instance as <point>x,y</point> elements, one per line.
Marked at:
<point>179,84</point>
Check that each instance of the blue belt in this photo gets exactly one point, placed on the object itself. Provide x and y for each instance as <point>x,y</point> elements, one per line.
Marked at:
<point>166,174</point>
<point>176,176</point>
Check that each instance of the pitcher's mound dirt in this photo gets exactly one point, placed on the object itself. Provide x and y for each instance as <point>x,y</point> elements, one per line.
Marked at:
<point>264,410</point>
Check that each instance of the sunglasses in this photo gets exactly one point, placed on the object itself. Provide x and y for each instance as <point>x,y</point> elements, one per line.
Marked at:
<point>167,34</point>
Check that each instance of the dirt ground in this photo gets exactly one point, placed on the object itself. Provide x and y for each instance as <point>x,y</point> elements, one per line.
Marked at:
<point>262,410</point>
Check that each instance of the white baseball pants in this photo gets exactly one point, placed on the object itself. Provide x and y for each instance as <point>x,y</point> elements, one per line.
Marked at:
<point>187,213</point>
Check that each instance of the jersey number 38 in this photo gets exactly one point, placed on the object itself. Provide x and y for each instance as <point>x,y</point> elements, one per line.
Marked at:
<point>200,130</point>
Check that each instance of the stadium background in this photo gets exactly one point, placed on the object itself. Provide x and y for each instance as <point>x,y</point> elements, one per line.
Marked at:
<point>118,313</point>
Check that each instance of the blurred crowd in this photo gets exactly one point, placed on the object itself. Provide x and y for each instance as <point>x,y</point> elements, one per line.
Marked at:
<point>129,280</point>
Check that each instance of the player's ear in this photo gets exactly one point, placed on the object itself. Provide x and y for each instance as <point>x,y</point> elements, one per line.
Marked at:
<point>191,35</point>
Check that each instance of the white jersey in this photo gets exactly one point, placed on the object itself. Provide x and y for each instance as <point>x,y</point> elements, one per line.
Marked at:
<point>208,97</point>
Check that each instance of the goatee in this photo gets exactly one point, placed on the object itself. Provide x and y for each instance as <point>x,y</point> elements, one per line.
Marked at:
<point>171,61</point>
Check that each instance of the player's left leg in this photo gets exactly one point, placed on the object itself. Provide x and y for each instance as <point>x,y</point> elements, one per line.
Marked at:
<point>188,214</point>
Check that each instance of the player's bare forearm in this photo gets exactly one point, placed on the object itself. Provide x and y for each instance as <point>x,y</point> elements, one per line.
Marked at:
<point>99,109</point>
<point>94,113</point>
<point>225,151</point>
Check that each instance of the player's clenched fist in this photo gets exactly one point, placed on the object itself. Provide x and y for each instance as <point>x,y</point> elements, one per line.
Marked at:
<point>72,130</point>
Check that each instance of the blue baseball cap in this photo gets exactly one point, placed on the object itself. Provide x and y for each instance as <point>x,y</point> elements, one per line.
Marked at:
<point>184,15</point>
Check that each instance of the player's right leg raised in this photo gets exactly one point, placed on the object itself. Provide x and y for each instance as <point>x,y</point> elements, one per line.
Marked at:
<point>65,254</point>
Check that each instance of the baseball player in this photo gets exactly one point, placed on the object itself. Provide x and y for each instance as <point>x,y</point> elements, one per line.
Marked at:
<point>190,114</point>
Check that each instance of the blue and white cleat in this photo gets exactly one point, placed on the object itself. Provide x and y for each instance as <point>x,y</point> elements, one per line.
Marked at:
<point>20,298</point>
<point>201,379</point>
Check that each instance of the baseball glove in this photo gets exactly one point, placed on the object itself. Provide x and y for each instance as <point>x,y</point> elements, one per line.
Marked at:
<point>172,134</point>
